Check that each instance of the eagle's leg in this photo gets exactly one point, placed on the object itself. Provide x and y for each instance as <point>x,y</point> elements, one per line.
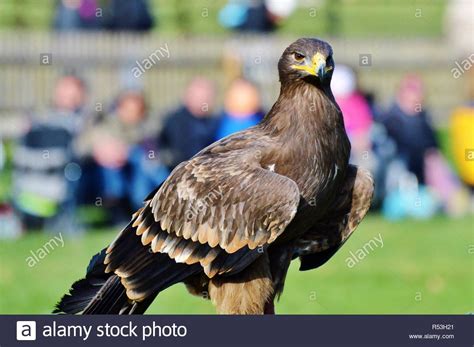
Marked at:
<point>247,292</point>
<point>269,307</point>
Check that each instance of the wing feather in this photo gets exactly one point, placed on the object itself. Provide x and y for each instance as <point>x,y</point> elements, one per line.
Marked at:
<point>214,210</point>
<point>230,202</point>
<point>322,241</point>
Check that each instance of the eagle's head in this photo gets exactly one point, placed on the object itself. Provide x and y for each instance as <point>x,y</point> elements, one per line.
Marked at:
<point>309,60</point>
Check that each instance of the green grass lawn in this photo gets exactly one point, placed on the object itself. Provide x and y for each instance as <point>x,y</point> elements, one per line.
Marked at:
<point>355,18</point>
<point>423,267</point>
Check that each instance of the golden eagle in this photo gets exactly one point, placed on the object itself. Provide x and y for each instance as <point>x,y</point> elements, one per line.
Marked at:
<point>229,221</point>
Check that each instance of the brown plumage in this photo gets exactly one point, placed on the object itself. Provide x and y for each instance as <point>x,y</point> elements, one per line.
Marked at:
<point>229,221</point>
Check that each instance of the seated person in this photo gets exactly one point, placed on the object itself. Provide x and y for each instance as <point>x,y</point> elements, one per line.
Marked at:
<point>191,127</point>
<point>417,148</point>
<point>407,123</point>
<point>127,162</point>
<point>370,146</point>
<point>44,172</point>
<point>242,108</point>
<point>358,119</point>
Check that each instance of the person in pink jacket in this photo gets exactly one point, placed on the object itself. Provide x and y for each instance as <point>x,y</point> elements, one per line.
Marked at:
<point>357,114</point>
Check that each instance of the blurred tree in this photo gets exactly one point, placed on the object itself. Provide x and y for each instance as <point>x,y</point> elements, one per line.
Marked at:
<point>333,23</point>
<point>18,19</point>
<point>184,22</point>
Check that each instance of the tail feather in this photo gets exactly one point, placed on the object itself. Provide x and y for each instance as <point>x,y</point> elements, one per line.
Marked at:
<point>110,299</point>
<point>84,290</point>
<point>139,274</point>
<point>98,293</point>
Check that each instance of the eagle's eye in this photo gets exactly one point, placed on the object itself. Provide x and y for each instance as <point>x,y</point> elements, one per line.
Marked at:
<point>298,57</point>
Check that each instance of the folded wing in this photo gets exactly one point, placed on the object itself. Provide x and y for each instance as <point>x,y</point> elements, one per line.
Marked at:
<point>323,240</point>
<point>218,210</point>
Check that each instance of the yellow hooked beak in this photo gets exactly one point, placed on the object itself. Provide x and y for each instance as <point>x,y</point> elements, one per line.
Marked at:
<point>317,68</point>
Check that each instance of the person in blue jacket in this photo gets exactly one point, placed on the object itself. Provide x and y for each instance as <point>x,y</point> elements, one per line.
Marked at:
<point>242,108</point>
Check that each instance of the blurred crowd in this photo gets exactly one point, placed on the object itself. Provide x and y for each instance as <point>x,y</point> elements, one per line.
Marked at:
<point>114,156</point>
<point>136,15</point>
<point>399,145</point>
